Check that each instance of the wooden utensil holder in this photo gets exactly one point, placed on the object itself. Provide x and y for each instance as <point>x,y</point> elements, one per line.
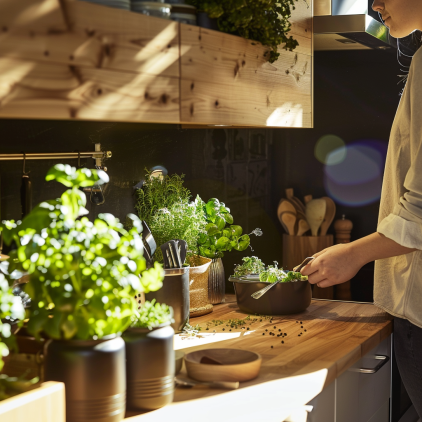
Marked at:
<point>297,248</point>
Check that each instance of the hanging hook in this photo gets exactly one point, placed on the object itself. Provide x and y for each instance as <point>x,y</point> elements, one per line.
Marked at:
<point>79,159</point>
<point>24,162</point>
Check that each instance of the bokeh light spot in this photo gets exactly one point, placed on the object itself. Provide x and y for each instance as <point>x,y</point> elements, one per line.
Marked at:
<point>357,180</point>
<point>330,150</point>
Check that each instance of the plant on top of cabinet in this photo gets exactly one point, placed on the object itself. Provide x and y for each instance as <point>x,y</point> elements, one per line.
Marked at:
<point>265,21</point>
<point>83,276</point>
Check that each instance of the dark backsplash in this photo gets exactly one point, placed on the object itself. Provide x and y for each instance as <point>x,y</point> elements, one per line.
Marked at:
<point>355,98</point>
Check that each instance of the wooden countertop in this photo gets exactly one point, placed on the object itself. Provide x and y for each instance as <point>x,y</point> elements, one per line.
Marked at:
<point>337,335</point>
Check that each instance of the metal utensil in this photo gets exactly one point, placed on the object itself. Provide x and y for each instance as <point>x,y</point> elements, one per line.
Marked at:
<point>262,292</point>
<point>216,384</point>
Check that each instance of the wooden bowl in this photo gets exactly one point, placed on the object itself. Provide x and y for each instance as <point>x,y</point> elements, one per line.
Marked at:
<point>178,357</point>
<point>235,365</point>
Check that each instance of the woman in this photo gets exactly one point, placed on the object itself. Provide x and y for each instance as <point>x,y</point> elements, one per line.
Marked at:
<point>397,244</point>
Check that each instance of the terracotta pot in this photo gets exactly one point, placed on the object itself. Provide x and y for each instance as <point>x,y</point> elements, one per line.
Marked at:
<point>150,367</point>
<point>198,286</point>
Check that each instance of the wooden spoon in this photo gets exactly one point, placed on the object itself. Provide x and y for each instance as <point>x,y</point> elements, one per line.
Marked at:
<point>315,213</point>
<point>330,212</point>
<point>298,204</point>
<point>288,220</point>
<point>307,198</point>
<point>303,227</point>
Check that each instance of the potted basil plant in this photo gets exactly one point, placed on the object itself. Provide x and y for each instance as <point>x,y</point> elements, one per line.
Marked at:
<point>221,236</point>
<point>150,358</point>
<point>83,277</point>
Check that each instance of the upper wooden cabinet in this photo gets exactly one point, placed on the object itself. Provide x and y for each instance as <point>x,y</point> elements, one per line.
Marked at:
<point>68,59</point>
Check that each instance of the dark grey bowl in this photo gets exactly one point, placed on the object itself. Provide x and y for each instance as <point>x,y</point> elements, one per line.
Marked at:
<point>282,299</point>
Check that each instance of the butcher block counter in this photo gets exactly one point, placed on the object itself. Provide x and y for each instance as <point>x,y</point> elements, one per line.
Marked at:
<point>302,358</point>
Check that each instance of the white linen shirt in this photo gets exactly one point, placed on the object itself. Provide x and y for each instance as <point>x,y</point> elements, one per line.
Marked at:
<point>398,280</point>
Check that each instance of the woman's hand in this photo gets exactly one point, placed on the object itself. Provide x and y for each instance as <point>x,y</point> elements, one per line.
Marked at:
<point>334,265</point>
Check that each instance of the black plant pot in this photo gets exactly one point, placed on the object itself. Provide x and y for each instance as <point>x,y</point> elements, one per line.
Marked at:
<point>94,375</point>
<point>150,367</point>
<point>205,21</point>
<point>175,293</point>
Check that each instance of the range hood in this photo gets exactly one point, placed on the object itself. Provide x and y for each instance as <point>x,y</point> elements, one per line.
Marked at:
<point>348,25</point>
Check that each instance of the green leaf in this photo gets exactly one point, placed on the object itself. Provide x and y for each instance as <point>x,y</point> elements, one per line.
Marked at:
<point>72,177</point>
<point>212,206</point>
<point>220,223</point>
<point>222,243</point>
<point>236,230</point>
<point>202,238</point>
<point>211,229</point>
<point>229,218</point>
<point>243,243</point>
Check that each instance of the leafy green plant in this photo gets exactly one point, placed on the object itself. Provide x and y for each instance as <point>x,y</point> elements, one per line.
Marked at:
<point>160,193</point>
<point>221,235</point>
<point>11,309</point>
<point>265,21</point>
<point>152,315</point>
<point>182,220</point>
<point>251,265</point>
<point>272,274</point>
<point>83,274</point>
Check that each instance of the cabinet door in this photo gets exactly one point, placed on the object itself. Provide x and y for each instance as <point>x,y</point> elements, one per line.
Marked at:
<point>323,406</point>
<point>359,397</point>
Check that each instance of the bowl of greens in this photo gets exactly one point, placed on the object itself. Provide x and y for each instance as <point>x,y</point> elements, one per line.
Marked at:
<point>291,295</point>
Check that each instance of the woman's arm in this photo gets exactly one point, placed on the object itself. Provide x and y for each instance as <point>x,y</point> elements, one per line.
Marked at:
<point>340,263</point>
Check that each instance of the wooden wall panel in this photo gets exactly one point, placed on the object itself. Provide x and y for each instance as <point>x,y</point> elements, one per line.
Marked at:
<point>226,79</point>
<point>44,90</point>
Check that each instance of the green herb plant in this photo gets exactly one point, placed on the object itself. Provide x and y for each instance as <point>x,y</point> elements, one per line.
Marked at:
<point>273,274</point>
<point>251,265</point>
<point>182,220</point>
<point>221,235</point>
<point>160,193</point>
<point>265,21</point>
<point>11,309</point>
<point>83,274</point>
<point>152,315</point>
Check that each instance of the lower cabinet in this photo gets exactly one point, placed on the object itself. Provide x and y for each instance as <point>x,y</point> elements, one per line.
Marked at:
<point>357,396</point>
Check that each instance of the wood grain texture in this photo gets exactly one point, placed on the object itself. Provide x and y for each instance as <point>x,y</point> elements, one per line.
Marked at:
<point>220,78</point>
<point>41,90</point>
<point>337,335</point>
<point>227,80</point>
<point>44,404</point>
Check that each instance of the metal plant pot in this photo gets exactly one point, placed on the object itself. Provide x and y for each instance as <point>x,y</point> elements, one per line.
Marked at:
<point>150,367</point>
<point>94,375</point>
<point>175,293</point>
<point>216,282</point>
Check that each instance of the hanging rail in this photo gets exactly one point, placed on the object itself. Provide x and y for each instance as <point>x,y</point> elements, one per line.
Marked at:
<point>98,155</point>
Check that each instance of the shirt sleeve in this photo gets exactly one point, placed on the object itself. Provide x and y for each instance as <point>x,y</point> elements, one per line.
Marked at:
<point>404,224</point>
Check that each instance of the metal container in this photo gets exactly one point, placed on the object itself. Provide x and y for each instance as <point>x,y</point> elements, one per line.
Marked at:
<point>282,299</point>
<point>150,367</point>
<point>216,282</point>
<point>175,293</point>
<point>150,8</point>
<point>94,375</point>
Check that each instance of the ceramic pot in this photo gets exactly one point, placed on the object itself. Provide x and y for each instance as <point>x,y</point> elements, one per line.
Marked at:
<point>175,293</point>
<point>198,286</point>
<point>94,375</point>
<point>282,299</point>
<point>205,21</point>
<point>216,282</point>
<point>150,367</point>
